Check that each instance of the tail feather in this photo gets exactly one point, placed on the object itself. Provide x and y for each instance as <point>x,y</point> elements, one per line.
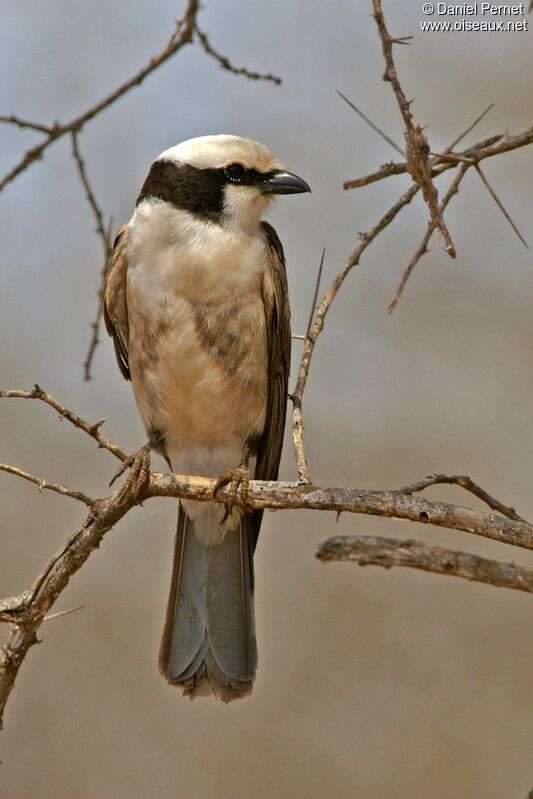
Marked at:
<point>208,643</point>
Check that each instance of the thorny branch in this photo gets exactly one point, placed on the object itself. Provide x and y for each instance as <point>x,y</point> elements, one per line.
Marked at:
<point>423,246</point>
<point>423,169</point>
<point>442,162</point>
<point>417,147</point>
<point>26,612</point>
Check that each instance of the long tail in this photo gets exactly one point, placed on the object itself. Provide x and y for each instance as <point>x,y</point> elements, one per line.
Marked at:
<point>208,643</point>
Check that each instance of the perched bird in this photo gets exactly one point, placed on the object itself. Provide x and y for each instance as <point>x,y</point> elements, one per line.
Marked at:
<point>196,302</point>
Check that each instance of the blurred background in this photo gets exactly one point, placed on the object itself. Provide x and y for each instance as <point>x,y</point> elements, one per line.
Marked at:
<point>370,683</point>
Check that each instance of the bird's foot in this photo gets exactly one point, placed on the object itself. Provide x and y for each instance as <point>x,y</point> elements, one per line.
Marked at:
<point>139,476</point>
<point>237,479</point>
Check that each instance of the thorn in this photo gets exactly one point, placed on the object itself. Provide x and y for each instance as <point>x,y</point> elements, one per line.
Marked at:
<point>401,40</point>
<point>500,204</point>
<point>372,124</point>
<point>315,294</point>
<point>96,426</point>
<point>63,613</point>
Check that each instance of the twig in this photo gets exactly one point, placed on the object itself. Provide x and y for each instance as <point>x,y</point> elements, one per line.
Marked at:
<point>468,484</point>
<point>92,430</point>
<point>95,324</point>
<point>417,147</point>
<point>487,148</point>
<point>182,35</point>
<point>388,552</point>
<point>385,171</point>
<point>46,484</point>
<point>423,246</point>
<point>105,237</point>
<point>226,64</point>
<point>24,123</point>
<point>101,230</point>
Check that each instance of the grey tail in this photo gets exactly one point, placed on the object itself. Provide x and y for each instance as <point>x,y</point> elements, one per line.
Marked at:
<point>208,643</point>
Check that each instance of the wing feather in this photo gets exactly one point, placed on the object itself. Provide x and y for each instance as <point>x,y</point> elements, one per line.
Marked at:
<point>115,305</point>
<point>277,312</point>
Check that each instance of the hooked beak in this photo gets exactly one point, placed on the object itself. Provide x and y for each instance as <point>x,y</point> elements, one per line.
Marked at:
<point>284,183</point>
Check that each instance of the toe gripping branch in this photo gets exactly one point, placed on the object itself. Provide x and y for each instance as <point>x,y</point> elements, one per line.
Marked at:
<point>237,479</point>
<point>139,476</point>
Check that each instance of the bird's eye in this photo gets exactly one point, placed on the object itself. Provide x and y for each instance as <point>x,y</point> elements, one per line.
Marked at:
<point>235,172</point>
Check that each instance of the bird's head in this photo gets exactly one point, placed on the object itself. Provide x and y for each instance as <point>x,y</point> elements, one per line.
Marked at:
<point>226,179</point>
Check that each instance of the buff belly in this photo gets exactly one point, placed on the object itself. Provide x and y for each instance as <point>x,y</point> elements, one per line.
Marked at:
<point>198,362</point>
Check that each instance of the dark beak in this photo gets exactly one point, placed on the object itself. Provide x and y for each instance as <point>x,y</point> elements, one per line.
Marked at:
<point>284,183</point>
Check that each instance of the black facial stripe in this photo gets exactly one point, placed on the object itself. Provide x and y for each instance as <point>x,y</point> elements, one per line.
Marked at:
<point>200,191</point>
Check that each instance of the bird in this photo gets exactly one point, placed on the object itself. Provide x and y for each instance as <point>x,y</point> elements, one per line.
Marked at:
<point>196,302</point>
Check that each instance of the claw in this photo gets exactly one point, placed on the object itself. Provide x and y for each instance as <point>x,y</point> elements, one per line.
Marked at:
<point>139,476</point>
<point>238,478</point>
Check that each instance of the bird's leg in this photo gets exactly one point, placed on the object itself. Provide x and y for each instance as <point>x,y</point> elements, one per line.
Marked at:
<point>237,479</point>
<point>139,476</point>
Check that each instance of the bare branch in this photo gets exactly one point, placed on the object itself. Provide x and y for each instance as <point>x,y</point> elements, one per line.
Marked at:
<point>387,552</point>
<point>385,171</point>
<point>226,64</point>
<point>468,484</point>
<point>101,230</point>
<point>441,162</point>
<point>417,146</point>
<point>24,123</point>
<point>46,484</point>
<point>385,503</point>
<point>182,35</point>
<point>92,430</point>
<point>26,612</point>
<point>27,615</point>
<point>423,246</point>
<point>104,234</point>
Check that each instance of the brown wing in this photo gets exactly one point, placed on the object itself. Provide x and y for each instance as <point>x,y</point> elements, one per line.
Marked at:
<point>114,300</point>
<point>278,319</point>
